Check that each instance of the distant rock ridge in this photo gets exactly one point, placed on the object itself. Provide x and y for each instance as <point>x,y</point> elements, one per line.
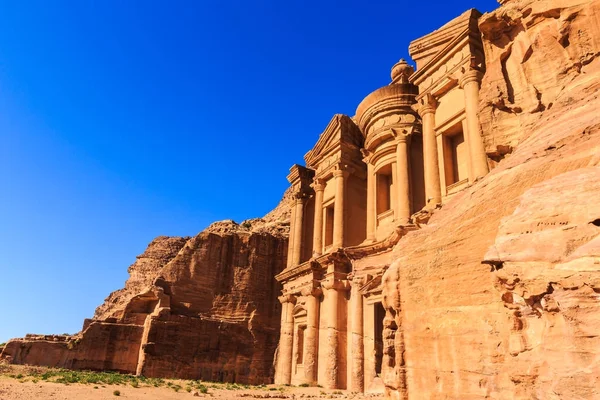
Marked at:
<point>494,296</point>
<point>214,293</point>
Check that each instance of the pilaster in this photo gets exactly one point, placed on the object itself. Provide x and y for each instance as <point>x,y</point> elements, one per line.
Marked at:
<point>283,374</point>
<point>357,356</point>
<point>340,175</point>
<point>319,187</point>
<point>311,342</point>
<point>469,82</point>
<point>433,191</point>
<point>332,287</point>
<point>298,230</point>
<point>403,175</point>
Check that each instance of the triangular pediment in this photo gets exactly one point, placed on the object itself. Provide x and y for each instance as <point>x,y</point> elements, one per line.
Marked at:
<point>340,132</point>
<point>372,285</point>
<point>426,48</point>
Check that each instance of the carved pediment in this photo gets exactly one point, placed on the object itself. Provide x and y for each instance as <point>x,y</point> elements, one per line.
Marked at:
<point>372,285</point>
<point>341,132</point>
<point>442,52</point>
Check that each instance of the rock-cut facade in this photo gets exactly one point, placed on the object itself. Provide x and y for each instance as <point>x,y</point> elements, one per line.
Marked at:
<point>369,180</point>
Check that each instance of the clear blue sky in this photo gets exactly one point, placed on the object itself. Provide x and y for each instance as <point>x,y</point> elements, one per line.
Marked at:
<point>124,120</point>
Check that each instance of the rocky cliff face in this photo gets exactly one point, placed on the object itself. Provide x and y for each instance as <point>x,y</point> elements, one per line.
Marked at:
<point>497,297</point>
<point>199,308</point>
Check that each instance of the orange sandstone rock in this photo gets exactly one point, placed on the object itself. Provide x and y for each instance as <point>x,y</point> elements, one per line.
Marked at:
<point>198,308</point>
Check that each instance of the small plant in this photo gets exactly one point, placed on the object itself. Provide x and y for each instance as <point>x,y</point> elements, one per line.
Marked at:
<point>176,388</point>
<point>135,384</point>
<point>203,389</point>
<point>117,393</point>
<point>19,376</point>
<point>304,385</point>
<point>247,224</point>
<point>188,389</point>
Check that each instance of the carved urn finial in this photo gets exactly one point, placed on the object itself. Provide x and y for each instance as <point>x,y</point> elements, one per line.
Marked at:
<point>401,71</point>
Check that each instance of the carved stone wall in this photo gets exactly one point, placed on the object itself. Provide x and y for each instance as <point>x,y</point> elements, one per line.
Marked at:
<point>497,296</point>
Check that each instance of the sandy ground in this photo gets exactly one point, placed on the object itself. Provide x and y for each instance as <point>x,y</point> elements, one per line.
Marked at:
<point>25,389</point>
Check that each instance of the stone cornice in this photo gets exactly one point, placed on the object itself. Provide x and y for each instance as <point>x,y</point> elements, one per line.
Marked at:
<point>301,269</point>
<point>325,171</point>
<point>363,250</point>
<point>299,173</point>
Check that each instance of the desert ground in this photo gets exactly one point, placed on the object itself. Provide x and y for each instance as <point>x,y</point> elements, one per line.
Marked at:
<point>19,382</point>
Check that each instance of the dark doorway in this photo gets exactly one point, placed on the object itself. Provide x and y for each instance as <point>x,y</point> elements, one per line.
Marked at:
<point>379,316</point>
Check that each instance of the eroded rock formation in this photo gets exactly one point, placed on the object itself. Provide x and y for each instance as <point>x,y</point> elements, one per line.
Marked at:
<point>497,297</point>
<point>199,308</point>
<point>410,268</point>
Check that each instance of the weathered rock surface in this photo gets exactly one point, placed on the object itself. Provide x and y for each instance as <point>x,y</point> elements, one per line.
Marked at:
<point>534,51</point>
<point>497,297</point>
<point>198,308</point>
<point>141,274</point>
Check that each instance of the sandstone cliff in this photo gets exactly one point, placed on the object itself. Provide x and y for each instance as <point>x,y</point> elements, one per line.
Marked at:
<point>199,308</point>
<point>497,297</point>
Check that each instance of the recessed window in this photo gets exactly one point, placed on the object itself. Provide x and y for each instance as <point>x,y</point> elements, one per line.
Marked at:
<point>384,189</point>
<point>456,155</point>
<point>329,213</point>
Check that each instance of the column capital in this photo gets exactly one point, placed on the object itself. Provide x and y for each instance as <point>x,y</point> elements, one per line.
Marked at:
<point>356,281</point>
<point>318,184</point>
<point>336,284</point>
<point>299,198</point>
<point>312,291</point>
<point>402,137</point>
<point>426,105</point>
<point>469,76</point>
<point>367,155</point>
<point>287,298</point>
<point>341,171</point>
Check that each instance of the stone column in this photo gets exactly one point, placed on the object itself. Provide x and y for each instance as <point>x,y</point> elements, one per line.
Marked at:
<point>469,82</point>
<point>283,375</point>
<point>338,212</point>
<point>291,237</point>
<point>357,356</point>
<point>298,222</point>
<point>371,210</point>
<point>433,192</point>
<point>319,187</point>
<point>311,340</point>
<point>332,347</point>
<point>403,184</point>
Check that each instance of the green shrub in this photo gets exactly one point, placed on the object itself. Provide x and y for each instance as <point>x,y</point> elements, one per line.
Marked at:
<point>202,389</point>
<point>116,393</point>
